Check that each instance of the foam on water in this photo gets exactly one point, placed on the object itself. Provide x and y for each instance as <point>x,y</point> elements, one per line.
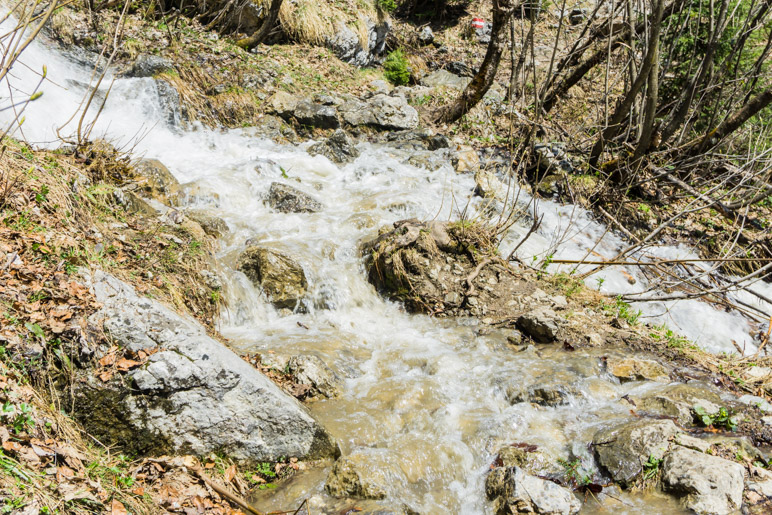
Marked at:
<point>425,398</point>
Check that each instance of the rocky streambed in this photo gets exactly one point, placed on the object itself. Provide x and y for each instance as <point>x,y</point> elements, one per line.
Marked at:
<point>487,387</point>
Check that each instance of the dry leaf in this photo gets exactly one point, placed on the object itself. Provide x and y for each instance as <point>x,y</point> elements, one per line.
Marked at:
<point>230,473</point>
<point>124,365</point>
<point>105,376</point>
<point>117,508</point>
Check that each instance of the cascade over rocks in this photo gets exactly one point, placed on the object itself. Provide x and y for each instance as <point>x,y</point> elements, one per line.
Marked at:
<point>282,279</point>
<point>288,199</point>
<point>194,395</point>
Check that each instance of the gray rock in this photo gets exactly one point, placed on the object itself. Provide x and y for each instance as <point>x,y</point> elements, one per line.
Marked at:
<point>193,395</point>
<point>283,104</point>
<point>148,65</point>
<point>169,99</point>
<point>338,148</point>
<point>690,442</point>
<point>520,492</point>
<point>287,199</point>
<point>623,449</point>
<point>282,279</point>
<point>544,395</point>
<point>710,485</point>
<point>428,160</point>
<point>273,128</point>
<point>552,157</point>
<point>426,36</point>
<point>382,112</point>
<point>316,115</point>
<point>577,16</point>
<point>380,87</point>
<point>487,185</point>
<point>677,400</point>
<point>416,140</point>
<point>347,46</point>
<point>540,324</point>
<point>445,79</point>
<point>312,371</point>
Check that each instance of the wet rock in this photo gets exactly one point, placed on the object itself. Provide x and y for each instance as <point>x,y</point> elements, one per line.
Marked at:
<point>156,181</point>
<point>338,148</point>
<point>283,104</point>
<point>193,395</point>
<point>520,492</point>
<point>428,160</point>
<point>211,279</point>
<point>311,114</point>
<point>755,400</point>
<point>287,199</point>
<point>487,185</point>
<point>709,485</point>
<point>212,225</point>
<point>426,36</point>
<point>348,47</point>
<point>148,65</point>
<point>467,160</point>
<point>445,79</point>
<point>169,99</point>
<point>678,401</point>
<point>623,449</point>
<point>381,112</point>
<point>544,395</point>
<point>282,279</point>
<point>312,371</point>
<point>358,477</point>
<point>540,324</point>
<point>636,369</point>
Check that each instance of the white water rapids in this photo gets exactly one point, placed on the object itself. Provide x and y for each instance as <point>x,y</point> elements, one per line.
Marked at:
<point>424,399</point>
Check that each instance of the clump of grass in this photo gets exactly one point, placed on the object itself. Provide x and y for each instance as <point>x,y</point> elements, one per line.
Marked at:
<point>396,69</point>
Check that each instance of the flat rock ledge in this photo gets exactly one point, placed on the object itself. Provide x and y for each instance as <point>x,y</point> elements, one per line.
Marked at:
<point>193,395</point>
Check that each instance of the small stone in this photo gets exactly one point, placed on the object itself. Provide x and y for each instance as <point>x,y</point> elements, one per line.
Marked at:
<point>468,160</point>
<point>316,115</point>
<point>520,492</point>
<point>281,278</point>
<point>312,371</point>
<point>426,36</point>
<point>338,148</point>
<point>693,443</point>
<point>282,103</point>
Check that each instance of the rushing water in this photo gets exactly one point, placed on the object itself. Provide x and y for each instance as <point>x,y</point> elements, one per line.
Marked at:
<point>424,399</point>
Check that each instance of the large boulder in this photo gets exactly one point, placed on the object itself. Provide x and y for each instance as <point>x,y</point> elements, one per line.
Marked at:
<point>710,485</point>
<point>192,394</point>
<point>282,279</point>
<point>520,492</point>
<point>287,199</point>
<point>381,111</point>
<point>338,148</point>
<point>622,450</point>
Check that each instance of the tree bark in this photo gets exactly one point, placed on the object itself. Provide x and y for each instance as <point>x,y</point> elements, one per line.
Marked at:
<point>483,79</point>
<point>731,124</point>
<point>623,108</point>
<point>265,29</point>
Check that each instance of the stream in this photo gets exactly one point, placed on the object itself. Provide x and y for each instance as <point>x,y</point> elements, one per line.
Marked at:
<point>424,399</point>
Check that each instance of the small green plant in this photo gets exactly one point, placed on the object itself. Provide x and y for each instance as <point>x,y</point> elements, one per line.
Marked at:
<point>651,467</point>
<point>600,281</point>
<point>574,473</point>
<point>395,68</point>
<point>722,419</point>
<point>42,195</point>
<point>387,5</point>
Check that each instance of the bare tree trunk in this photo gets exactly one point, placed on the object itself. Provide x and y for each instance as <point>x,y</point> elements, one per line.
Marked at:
<point>265,29</point>
<point>482,81</point>
<point>731,124</point>
<point>682,108</point>
<point>623,108</point>
<point>560,88</point>
<point>514,81</point>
